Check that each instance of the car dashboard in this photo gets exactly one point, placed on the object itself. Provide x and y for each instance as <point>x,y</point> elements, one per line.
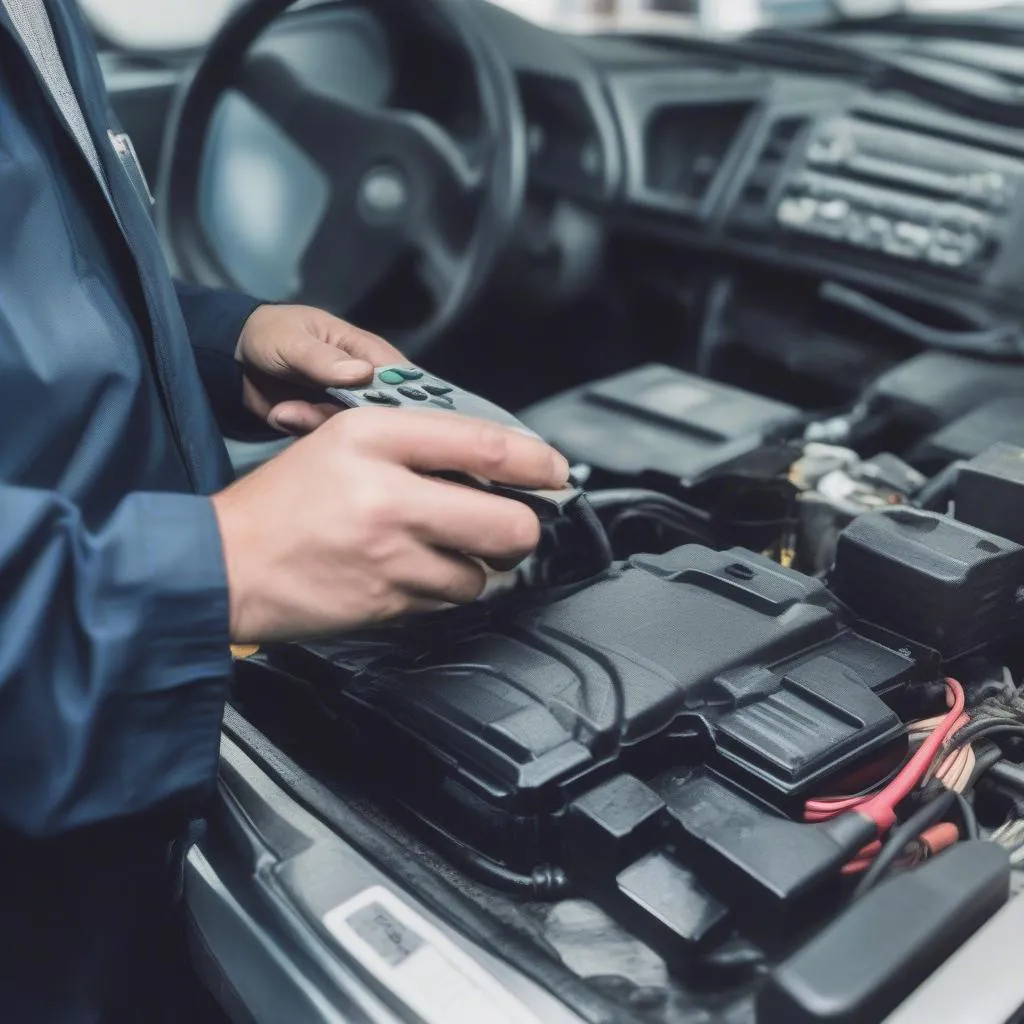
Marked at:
<point>819,175</point>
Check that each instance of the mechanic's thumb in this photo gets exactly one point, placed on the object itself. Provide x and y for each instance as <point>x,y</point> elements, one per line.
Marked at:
<point>321,364</point>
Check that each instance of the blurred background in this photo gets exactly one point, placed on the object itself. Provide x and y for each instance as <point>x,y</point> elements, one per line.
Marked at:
<point>184,24</point>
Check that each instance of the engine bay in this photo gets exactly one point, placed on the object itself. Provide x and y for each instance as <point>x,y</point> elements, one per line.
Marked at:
<point>765,763</point>
<point>789,705</point>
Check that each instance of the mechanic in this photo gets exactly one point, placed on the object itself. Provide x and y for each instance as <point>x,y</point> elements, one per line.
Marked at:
<point>127,565</point>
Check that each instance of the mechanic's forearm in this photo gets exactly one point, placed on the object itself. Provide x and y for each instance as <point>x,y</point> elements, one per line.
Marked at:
<point>114,657</point>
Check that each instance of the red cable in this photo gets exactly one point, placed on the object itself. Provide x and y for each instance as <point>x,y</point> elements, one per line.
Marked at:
<point>881,807</point>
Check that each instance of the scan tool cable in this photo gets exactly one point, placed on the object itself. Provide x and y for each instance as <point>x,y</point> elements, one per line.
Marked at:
<point>582,513</point>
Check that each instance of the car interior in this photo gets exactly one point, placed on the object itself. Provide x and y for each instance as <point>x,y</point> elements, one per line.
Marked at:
<point>746,742</point>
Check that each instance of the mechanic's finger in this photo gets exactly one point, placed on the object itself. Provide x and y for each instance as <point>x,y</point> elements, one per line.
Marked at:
<point>501,531</point>
<point>362,344</point>
<point>435,442</point>
<point>308,359</point>
<point>297,417</point>
<point>443,576</point>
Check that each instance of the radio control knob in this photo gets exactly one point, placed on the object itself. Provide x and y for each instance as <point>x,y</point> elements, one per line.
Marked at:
<point>834,209</point>
<point>857,230</point>
<point>946,257</point>
<point>797,211</point>
<point>826,149</point>
<point>879,226</point>
<point>919,236</point>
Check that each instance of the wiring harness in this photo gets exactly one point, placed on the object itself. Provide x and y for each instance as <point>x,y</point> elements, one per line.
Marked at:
<point>938,772</point>
<point>881,806</point>
<point>948,754</point>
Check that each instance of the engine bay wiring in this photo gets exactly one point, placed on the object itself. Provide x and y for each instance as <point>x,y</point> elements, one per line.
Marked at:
<point>947,756</point>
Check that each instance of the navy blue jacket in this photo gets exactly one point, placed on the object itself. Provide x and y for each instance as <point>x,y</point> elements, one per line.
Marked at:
<point>114,654</point>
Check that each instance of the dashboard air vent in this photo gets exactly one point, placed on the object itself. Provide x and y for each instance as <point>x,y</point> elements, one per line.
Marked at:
<point>687,144</point>
<point>757,190</point>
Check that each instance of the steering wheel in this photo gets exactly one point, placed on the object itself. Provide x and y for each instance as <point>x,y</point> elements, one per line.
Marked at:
<point>424,189</point>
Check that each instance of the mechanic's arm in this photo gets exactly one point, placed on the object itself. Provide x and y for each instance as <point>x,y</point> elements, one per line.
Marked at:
<point>267,365</point>
<point>114,643</point>
<point>113,657</point>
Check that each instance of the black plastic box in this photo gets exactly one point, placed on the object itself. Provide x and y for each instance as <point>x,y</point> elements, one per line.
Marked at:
<point>659,420</point>
<point>999,420</point>
<point>929,578</point>
<point>494,722</point>
<point>867,960</point>
<point>935,388</point>
<point>990,492</point>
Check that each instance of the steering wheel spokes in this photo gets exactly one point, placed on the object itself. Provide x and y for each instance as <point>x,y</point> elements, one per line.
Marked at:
<point>406,193</point>
<point>393,174</point>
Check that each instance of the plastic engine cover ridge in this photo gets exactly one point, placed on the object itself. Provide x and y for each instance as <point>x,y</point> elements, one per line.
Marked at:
<point>492,730</point>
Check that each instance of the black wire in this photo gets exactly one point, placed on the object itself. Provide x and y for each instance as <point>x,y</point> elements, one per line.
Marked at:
<point>583,514</point>
<point>652,517</point>
<point>870,788</point>
<point>900,836</point>
<point>984,729</point>
<point>983,761</point>
<point>618,507</point>
<point>545,881</point>
<point>968,818</point>
<point>632,497</point>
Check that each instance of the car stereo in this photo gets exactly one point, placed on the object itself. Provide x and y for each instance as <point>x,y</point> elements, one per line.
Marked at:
<point>910,196</point>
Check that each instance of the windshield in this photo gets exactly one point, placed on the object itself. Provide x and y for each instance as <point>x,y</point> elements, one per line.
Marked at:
<point>731,15</point>
<point>185,24</point>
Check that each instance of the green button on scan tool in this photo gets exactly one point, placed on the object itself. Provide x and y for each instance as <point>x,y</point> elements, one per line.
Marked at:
<point>390,377</point>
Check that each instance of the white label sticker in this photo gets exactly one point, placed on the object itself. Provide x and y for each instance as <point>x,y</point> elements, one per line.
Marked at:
<point>434,978</point>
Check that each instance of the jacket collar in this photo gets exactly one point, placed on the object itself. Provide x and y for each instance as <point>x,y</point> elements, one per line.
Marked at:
<point>83,71</point>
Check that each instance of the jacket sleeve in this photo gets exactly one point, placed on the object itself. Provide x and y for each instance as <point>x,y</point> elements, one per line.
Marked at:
<point>114,658</point>
<point>214,319</point>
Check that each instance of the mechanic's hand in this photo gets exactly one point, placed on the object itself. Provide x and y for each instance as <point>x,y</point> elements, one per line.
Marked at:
<point>343,530</point>
<point>291,353</point>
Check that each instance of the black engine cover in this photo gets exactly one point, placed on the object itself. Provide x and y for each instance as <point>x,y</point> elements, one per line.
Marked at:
<point>489,722</point>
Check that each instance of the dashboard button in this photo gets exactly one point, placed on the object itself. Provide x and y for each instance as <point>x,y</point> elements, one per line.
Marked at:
<point>879,226</point>
<point>919,236</point>
<point>797,212</point>
<point>857,230</point>
<point>945,257</point>
<point>834,209</point>
<point>829,150</point>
